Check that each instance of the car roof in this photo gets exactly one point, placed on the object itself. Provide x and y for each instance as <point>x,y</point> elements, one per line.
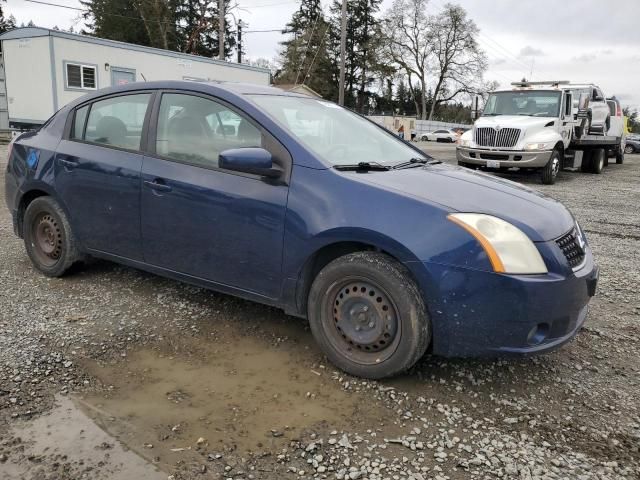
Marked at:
<point>239,89</point>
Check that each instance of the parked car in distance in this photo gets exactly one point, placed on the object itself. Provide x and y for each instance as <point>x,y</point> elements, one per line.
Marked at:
<point>632,144</point>
<point>616,129</point>
<point>441,135</point>
<point>308,207</point>
<point>597,109</point>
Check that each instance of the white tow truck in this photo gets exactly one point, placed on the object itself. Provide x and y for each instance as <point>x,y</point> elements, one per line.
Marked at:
<point>539,126</point>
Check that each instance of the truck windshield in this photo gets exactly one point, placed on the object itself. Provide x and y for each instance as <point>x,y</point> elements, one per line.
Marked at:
<point>527,102</point>
<point>335,134</point>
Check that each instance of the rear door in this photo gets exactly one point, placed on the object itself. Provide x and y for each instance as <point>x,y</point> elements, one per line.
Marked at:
<point>201,220</point>
<point>97,173</point>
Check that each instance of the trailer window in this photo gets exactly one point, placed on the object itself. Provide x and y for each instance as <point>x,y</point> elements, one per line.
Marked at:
<point>81,76</point>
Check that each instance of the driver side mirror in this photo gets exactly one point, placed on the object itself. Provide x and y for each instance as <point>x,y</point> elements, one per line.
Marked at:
<point>256,161</point>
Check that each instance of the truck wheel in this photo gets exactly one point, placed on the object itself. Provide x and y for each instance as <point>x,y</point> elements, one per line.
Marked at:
<point>48,238</point>
<point>368,315</point>
<point>597,160</point>
<point>587,126</point>
<point>620,155</point>
<point>551,169</point>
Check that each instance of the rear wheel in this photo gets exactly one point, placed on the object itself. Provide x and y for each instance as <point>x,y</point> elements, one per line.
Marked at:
<point>551,169</point>
<point>598,160</point>
<point>368,316</point>
<point>48,238</point>
<point>628,149</point>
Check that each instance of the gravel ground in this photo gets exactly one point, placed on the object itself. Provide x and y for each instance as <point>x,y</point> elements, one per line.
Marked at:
<point>202,385</point>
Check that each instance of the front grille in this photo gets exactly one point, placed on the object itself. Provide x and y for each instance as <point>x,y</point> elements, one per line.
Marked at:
<point>503,138</point>
<point>571,248</point>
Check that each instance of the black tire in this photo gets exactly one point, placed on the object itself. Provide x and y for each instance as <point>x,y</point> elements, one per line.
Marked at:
<point>48,238</point>
<point>551,169</point>
<point>587,126</point>
<point>598,160</point>
<point>368,315</point>
<point>619,156</point>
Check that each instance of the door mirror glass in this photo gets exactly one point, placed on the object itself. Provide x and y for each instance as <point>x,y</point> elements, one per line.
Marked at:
<point>256,161</point>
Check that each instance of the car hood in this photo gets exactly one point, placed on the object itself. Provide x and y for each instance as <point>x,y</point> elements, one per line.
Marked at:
<point>513,121</point>
<point>458,189</point>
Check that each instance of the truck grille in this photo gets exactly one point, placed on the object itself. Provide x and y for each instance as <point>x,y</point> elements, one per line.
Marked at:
<point>503,138</point>
<point>571,248</point>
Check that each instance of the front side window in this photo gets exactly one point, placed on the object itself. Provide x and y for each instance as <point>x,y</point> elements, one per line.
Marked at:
<point>333,133</point>
<point>81,76</point>
<point>196,130</point>
<point>526,102</point>
<point>116,121</point>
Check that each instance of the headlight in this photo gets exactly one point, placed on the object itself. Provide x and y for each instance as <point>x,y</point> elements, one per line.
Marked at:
<point>463,142</point>
<point>538,146</point>
<point>509,250</point>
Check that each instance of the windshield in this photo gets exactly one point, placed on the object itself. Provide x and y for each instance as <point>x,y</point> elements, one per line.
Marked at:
<point>335,134</point>
<point>531,103</point>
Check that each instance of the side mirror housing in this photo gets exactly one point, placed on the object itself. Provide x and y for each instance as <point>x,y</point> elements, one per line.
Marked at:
<point>256,161</point>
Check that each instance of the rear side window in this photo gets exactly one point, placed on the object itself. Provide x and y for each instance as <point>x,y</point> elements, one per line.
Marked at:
<point>79,121</point>
<point>116,121</point>
<point>612,107</point>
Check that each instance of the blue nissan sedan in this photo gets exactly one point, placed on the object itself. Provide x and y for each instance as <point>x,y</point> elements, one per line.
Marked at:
<point>301,204</point>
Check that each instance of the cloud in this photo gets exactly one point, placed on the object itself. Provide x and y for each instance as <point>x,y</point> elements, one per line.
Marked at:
<point>497,61</point>
<point>585,57</point>
<point>530,51</point>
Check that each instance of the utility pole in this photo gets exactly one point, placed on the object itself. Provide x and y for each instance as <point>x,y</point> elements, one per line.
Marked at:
<point>239,41</point>
<point>221,29</point>
<point>343,48</point>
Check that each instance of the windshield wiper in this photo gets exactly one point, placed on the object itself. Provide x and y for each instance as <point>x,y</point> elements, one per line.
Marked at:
<point>363,167</point>
<point>414,162</point>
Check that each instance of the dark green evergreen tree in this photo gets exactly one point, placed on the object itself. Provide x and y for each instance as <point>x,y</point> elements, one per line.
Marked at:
<point>8,23</point>
<point>115,20</point>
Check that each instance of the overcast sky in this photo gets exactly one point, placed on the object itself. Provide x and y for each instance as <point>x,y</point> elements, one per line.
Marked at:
<point>577,40</point>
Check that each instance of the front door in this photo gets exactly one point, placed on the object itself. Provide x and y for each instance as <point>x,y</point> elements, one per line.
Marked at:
<point>97,174</point>
<point>203,221</point>
<point>122,76</point>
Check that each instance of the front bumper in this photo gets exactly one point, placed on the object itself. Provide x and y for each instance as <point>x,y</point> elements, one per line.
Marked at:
<point>479,313</point>
<point>507,158</point>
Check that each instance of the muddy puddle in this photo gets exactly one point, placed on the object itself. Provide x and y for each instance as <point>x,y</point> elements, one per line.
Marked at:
<point>67,444</point>
<point>237,394</point>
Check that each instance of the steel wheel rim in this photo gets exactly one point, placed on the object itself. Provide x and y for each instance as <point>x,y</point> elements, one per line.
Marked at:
<point>361,321</point>
<point>46,239</point>
<point>555,166</point>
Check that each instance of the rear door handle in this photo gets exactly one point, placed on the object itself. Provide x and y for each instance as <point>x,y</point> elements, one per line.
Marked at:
<point>158,185</point>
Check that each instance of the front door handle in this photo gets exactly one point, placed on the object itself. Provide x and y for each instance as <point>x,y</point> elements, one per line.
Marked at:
<point>67,162</point>
<point>158,185</point>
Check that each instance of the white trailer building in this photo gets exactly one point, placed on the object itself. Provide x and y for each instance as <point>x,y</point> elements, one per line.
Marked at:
<point>45,69</point>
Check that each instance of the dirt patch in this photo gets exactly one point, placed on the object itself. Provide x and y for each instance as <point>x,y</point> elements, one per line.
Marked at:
<point>243,396</point>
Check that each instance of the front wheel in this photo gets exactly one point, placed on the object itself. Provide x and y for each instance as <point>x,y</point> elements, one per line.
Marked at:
<point>628,149</point>
<point>551,169</point>
<point>48,238</point>
<point>368,315</point>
